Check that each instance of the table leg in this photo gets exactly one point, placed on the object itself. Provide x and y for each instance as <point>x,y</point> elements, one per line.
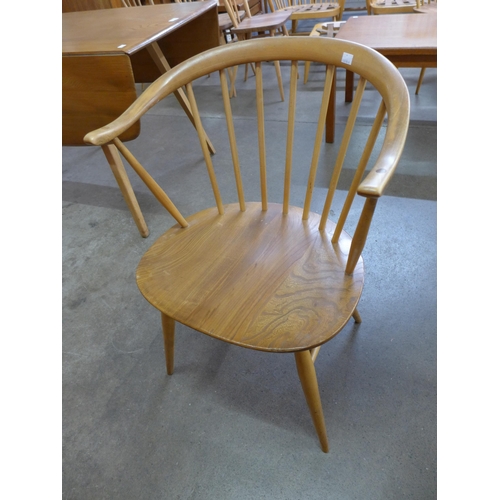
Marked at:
<point>162,63</point>
<point>349,85</point>
<point>330,114</point>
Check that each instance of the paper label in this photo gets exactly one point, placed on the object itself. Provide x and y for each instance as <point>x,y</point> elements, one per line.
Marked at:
<point>347,58</point>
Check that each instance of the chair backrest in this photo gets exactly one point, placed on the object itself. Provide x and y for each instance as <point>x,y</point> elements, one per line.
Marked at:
<point>283,4</point>
<point>136,3</point>
<point>423,2</point>
<point>381,156</point>
<point>392,6</point>
<point>81,5</point>
<point>234,11</point>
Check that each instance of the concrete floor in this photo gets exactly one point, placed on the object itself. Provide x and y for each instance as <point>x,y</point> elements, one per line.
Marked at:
<point>232,423</point>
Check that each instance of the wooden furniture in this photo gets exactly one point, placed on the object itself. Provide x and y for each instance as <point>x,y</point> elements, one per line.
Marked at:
<point>225,23</point>
<point>328,29</point>
<point>423,7</point>
<point>391,6</point>
<point>268,275</point>
<point>106,52</point>
<point>82,5</point>
<point>397,7</point>
<point>407,40</point>
<point>262,25</point>
<point>308,9</point>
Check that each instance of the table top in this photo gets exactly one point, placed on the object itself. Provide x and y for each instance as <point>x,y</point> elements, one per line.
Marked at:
<point>393,34</point>
<point>125,30</point>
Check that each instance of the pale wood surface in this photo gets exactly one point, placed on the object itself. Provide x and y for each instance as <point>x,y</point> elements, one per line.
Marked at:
<point>270,296</point>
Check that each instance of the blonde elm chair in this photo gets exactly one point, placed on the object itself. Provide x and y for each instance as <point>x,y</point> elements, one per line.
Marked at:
<point>390,6</point>
<point>261,25</point>
<point>268,275</point>
<point>308,9</point>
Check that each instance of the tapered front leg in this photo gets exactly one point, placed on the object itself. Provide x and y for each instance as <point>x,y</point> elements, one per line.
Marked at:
<point>168,325</point>
<point>307,375</point>
<point>356,316</point>
<point>116,165</point>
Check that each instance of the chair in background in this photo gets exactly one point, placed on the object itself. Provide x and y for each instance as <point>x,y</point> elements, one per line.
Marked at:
<point>308,9</point>
<point>390,6</point>
<point>263,25</point>
<point>267,275</point>
<point>81,5</point>
<point>328,29</point>
<point>427,7</point>
<point>136,3</point>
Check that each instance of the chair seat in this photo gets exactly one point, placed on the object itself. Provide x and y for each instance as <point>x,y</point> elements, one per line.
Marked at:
<point>225,22</point>
<point>262,22</point>
<point>258,279</point>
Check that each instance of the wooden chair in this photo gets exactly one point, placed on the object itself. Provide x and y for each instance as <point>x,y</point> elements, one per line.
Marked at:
<point>268,275</point>
<point>263,25</point>
<point>429,6</point>
<point>80,5</point>
<point>390,6</point>
<point>308,9</point>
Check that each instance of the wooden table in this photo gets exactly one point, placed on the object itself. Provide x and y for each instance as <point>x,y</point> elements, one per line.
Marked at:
<point>407,40</point>
<point>106,52</point>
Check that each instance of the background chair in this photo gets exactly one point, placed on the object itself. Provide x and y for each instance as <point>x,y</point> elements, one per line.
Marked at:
<point>390,6</point>
<point>262,25</point>
<point>308,9</point>
<point>268,275</point>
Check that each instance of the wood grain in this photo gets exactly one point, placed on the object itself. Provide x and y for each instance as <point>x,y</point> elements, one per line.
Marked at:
<point>95,91</point>
<point>257,279</point>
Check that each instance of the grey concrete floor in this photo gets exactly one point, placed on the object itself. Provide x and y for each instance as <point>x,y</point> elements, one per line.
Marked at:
<point>233,423</point>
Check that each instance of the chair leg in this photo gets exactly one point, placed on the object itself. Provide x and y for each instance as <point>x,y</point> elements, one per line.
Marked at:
<point>356,316</point>
<point>420,79</point>
<point>280,81</point>
<point>168,325</point>
<point>232,75</point>
<point>118,169</point>
<point>307,376</point>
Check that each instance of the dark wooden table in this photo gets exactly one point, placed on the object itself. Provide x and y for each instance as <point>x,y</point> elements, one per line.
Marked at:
<point>407,40</point>
<point>106,52</point>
